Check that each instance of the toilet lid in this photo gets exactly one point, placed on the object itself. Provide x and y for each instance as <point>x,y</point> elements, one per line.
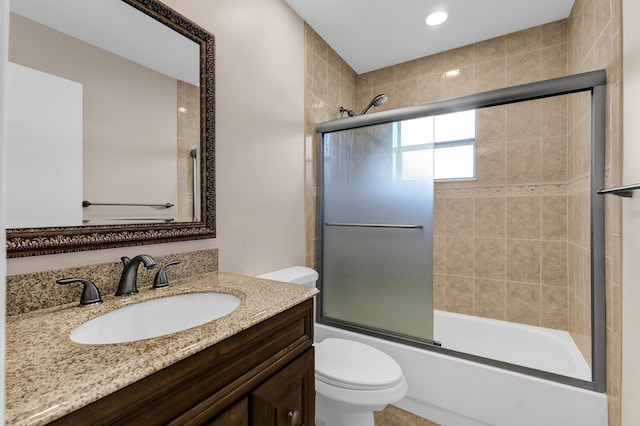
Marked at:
<point>353,365</point>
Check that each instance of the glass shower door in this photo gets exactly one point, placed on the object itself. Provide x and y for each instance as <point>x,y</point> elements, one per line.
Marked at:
<point>377,261</point>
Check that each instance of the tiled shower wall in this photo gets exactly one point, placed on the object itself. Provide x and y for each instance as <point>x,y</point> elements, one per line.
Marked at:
<point>589,39</point>
<point>329,84</point>
<point>595,43</point>
<point>579,252</point>
<point>535,54</point>
<point>480,244</point>
<point>500,242</point>
<point>188,114</point>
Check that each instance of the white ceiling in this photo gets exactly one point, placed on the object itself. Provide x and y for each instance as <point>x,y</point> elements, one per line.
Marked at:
<point>373,34</point>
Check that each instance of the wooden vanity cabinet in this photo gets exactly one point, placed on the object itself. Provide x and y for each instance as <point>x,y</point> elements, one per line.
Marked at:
<point>237,415</point>
<point>263,375</point>
<point>287,397</point>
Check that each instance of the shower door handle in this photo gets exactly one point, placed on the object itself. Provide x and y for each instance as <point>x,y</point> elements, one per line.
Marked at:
<point>373,225</point>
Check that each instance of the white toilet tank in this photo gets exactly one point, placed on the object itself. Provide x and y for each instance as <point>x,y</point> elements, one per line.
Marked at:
<point>352,380</point>
<point>293,274</point>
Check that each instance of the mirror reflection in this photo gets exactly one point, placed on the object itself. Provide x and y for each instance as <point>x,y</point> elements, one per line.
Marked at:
<point>104,117</point>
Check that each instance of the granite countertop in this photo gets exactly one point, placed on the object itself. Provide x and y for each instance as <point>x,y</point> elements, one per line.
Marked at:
<point>48,375</point>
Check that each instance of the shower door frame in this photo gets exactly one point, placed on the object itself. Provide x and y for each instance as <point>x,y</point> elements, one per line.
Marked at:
<point>593,82</point>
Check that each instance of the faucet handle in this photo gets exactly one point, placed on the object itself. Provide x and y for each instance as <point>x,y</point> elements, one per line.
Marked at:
<point>90,293</point>
<point>161,280</point>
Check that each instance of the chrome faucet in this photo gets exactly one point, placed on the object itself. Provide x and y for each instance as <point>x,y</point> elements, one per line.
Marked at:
<point>129,280</point>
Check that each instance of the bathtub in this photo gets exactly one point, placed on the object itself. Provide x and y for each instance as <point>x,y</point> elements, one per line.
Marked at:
<point>456,392</point>
<point>536,347</point>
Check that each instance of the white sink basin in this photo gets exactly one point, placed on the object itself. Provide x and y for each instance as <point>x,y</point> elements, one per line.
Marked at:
<point>155,318</point>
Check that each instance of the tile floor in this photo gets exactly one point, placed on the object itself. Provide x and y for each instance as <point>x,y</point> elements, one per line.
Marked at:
<point>394,416</point>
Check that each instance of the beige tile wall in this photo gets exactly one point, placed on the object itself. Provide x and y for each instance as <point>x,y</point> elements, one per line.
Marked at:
<point>500,242</point>
<point>188,139</point>
<point>595,43</point>
<point>329,84</point>
<point>535,54</point>
<point>589,39</point>
<point>579,302</point>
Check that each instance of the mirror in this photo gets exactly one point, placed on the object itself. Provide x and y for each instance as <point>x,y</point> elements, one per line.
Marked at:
<point>111,130</point>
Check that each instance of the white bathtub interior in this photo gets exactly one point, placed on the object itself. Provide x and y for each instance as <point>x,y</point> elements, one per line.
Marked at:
<point>541,348</point>
<point>455,392</point>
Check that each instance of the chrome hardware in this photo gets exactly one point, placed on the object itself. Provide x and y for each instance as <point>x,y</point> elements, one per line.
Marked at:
<point>621,191</point>
<point>373,225</point>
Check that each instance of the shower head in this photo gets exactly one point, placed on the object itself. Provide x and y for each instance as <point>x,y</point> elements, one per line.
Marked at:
<point>377,101</point>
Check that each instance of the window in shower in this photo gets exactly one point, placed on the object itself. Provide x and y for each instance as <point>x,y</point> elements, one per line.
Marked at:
<point>450,136</point>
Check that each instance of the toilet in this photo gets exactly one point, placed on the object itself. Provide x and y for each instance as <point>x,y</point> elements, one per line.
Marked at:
<point>352,379</point>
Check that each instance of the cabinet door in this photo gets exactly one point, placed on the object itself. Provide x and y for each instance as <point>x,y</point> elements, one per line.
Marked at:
<point>287,398</point>
<point>238,415</point>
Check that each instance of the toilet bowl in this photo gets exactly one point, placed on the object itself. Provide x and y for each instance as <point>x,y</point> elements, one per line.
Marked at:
<point>352,380</point>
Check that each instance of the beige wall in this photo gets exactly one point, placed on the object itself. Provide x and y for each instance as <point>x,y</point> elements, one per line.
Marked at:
<point>482,254</point>
<point>578,202</point>
<point>589,39</point>
<point>329,84</point>
<point>595,42</point>
<point>129,120</point>
<point>630,375</point>
<point>188,138</point>
<point>4,37</point>
<point>500,242</point>
<point>535,54</point>
<point>259,142</point>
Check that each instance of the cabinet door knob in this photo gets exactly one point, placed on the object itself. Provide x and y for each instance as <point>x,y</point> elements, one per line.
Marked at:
<point>295,418</point>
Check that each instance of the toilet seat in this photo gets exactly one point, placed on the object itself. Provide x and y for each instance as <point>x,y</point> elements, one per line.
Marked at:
<point>352,365</point>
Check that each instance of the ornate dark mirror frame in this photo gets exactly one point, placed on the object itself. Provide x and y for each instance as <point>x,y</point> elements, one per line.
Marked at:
<point>38,241</point>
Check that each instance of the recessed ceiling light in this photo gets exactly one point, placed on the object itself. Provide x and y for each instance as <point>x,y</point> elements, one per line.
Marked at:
<point>436,18</point>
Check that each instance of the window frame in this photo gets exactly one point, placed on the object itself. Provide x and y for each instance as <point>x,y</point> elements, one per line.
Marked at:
<point>399,149</point>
